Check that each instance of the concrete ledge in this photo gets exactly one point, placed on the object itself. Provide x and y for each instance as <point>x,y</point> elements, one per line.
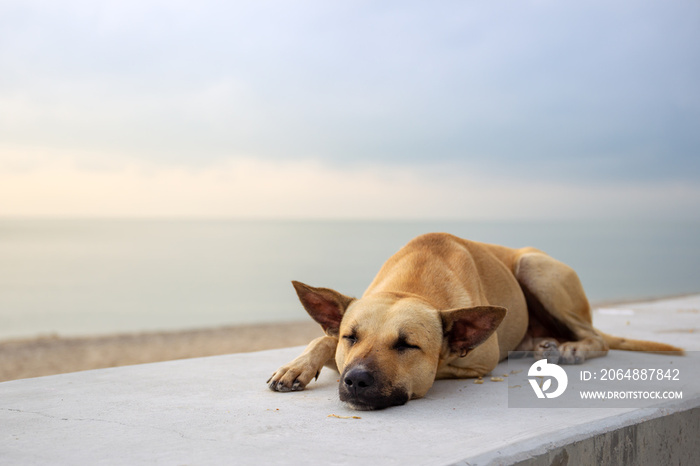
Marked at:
<point>217,410</point>
<point>668,439</point>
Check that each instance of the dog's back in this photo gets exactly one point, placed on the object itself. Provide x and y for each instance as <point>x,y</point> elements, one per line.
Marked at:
<point>450,272</point>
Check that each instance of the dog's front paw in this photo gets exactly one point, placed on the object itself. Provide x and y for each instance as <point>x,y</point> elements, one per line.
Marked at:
<point>292,378</point>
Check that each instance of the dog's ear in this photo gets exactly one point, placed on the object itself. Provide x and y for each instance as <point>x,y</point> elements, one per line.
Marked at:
<point>467,328</point>
<point>324,305</point>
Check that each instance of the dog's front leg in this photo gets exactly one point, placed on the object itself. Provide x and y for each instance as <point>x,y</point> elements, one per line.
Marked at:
<point>298,373</point>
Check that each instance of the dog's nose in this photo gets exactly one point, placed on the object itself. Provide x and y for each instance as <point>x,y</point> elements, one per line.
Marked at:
<point>358,379</point>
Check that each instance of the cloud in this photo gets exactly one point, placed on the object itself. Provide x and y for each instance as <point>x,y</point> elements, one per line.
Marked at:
<point>254,188</point>
<point>533,84</point>
<point>349,109</point>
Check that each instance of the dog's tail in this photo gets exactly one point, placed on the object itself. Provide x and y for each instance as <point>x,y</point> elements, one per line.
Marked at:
<point>626,344</point>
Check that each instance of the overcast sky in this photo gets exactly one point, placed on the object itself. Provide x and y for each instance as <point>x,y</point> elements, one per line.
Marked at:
<point>458,109</point>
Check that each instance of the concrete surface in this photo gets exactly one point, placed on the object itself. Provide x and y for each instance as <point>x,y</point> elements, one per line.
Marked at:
<point>218,410</point>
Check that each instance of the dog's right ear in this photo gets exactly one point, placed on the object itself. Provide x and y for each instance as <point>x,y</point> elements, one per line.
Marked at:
<point>324,305</point>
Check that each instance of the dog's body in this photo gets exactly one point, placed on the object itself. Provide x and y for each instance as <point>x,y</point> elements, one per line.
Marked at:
<point>444,307</point>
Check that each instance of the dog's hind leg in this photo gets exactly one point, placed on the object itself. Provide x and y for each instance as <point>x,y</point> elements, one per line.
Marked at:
<point>554,292</point>
<point>295,375</point>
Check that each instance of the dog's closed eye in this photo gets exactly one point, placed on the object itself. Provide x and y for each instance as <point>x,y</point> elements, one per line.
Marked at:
<point>351,339</point>
<point>402,345</point>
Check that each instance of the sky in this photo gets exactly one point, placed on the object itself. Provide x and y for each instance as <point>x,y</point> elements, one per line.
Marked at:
<point>381,110</point>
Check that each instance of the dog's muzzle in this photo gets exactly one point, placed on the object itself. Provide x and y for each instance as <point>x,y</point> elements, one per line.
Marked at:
<point>361,389</point>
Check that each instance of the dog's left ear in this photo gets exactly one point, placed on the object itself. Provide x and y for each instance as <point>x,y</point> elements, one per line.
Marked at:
<point>467,328</point>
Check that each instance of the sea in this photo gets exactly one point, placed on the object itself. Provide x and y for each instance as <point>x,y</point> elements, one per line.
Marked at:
<point>92,277</point>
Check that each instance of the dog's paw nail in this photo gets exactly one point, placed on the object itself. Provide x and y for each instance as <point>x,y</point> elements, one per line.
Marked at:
<point>281,387</point>
<point>297,386</point>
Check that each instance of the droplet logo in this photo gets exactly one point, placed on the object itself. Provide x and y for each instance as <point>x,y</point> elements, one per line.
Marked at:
<point>545,371</point>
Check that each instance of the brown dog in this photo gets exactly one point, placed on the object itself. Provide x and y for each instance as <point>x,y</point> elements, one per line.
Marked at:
<point>445,307</point>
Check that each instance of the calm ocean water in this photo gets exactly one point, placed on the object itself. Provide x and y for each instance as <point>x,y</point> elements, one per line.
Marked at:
<point>75,277</point>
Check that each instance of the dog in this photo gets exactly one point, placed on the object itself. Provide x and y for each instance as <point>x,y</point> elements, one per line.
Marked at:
<point>446,307</point>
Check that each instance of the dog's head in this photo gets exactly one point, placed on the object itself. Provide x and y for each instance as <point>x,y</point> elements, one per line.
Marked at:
<point>390,344</point>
